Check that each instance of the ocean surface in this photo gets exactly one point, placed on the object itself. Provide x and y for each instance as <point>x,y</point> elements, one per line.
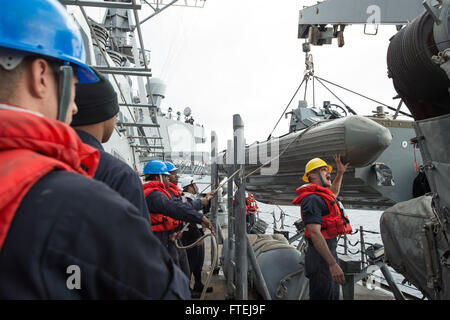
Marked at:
<point>369,220</point>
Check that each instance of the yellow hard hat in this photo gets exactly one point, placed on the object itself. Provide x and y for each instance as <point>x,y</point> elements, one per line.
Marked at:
<point>314,164</point>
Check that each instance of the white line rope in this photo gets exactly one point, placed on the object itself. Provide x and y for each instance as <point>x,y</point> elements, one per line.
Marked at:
<point>214,262</point>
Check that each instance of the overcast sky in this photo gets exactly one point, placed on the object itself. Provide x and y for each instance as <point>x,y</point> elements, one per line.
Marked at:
<point>243,56</point>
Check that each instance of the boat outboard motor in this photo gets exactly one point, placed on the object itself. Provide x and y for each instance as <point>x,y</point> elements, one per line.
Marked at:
<point>418,62</point>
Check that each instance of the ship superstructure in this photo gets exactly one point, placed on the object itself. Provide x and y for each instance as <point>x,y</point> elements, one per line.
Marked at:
<point>144,131</point>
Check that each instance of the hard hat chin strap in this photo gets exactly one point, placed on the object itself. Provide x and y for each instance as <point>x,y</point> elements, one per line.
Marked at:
<point>65,76</point>
<point>320,177</point>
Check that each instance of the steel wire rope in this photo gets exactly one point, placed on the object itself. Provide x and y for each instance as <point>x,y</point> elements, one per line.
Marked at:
<point>182,33</point>
<point>296,91</point>
<point>171,54</point>
<point>314,92</point>
<point>348,108</point>
<point>361,95</point>
<point>270,160</point>
<point>293,140</point>
<point>306,88</point>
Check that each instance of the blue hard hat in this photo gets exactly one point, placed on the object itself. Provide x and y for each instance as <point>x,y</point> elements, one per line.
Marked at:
<point>170,166</point>
<point>155,167</point>
<point>44,27</point>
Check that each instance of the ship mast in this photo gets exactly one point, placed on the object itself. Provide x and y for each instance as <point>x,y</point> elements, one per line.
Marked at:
<point>120,51</point>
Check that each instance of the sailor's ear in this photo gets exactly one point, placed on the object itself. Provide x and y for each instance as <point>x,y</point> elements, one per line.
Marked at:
<point>40,76</point>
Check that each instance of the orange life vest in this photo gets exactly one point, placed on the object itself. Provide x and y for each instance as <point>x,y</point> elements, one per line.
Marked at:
<point>30,147</point>
<point>251,205</point>
<point>159,221</point>
<point>333,224</point>
<point>173,188</point>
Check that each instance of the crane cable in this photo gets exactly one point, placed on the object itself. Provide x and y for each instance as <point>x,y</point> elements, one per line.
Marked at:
<point>270,160</point>
<point>304,78</point>
<point>359,94</point>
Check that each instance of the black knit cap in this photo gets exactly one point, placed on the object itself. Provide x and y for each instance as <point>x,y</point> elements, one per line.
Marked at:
<point>96,102</point>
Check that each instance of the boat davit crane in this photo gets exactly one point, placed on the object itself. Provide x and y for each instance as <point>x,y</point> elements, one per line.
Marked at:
<point>415,232</point>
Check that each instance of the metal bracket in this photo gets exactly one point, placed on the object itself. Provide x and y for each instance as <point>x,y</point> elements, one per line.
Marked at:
<point>432,10</point>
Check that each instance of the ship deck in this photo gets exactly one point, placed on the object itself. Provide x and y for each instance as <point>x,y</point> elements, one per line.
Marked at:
<point>219,283</point>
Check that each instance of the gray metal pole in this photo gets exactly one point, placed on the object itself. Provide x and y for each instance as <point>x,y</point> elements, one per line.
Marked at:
<point>230,257</point>
<point>241,224</point>
<point>214,185</point>
<point>390,280</point>
<point>363,246</point>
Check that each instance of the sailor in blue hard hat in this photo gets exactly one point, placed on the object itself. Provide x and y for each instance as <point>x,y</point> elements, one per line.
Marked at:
<point>42,41</point>
<point>165,214</point>
<point>173,178</point>
<point>157,168</point>
<point>63,235</point>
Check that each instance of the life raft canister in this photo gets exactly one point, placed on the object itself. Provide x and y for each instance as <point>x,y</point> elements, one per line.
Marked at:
<point>334,224</point>
<point>159,221</point>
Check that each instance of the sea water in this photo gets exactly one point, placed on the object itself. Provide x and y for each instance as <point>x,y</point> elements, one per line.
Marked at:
<point>368,219</point>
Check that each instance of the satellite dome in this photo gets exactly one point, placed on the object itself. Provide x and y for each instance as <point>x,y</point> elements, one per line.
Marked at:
<point>187,111</point>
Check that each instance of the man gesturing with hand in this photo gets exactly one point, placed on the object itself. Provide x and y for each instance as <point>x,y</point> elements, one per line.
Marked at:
<point>324,218</point>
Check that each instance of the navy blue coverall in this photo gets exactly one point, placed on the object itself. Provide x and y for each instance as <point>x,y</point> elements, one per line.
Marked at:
<point>118,175</point>
<point>66,219</point>
<point>321,285</point>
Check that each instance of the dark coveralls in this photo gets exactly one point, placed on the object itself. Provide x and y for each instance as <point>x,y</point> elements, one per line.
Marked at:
<point>181,255</point>
<point>196,254</point>
<point>117,175</point>
<point>321,285</point>
<point>66,219</point>
<point>159,203</point>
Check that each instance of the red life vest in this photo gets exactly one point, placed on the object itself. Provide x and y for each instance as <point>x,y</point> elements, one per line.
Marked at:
<point>251,205</point>
<point>173,188</point>
<point>159,221</point>
<point>30,147</point>
<point>333,224</point>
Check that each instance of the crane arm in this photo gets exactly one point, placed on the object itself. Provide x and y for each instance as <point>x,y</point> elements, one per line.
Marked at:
<point>339,13</point>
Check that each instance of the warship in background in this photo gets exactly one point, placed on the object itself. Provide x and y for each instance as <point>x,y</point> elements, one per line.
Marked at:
<point>143,131</point>
<point>378,147</point>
